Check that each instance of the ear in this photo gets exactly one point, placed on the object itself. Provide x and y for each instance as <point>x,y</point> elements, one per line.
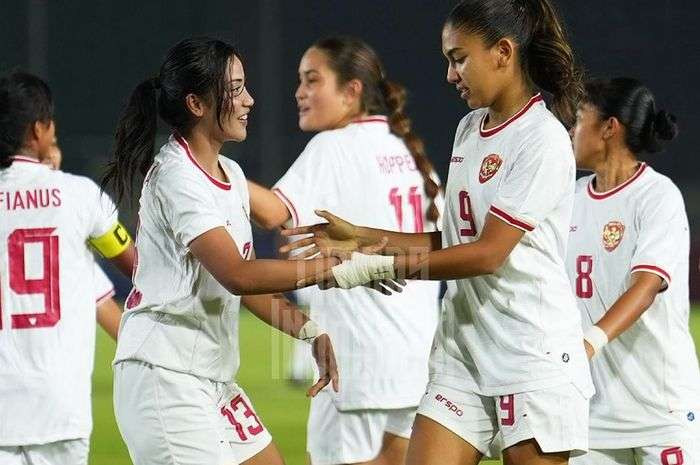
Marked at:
<point>611,127</point>
<point>353,91</point>
<point>195,105</point>
<point>504,51</point>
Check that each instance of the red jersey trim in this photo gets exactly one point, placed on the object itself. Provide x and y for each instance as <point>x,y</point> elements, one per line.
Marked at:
<point>220,184</point>
<point>604,195</point>
<point>490,132</point>
<point>653,269</point>
<point>290,206</point>
<point>105,296</point>
<point>23,159</point>
<point>371,119</point>
<point>511,220</point>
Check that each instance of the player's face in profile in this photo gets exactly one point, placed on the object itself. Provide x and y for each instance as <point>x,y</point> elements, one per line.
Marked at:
<point>322,104</point>
<point>587,136</point>
<point>471,67</point>
<point>237,103</point>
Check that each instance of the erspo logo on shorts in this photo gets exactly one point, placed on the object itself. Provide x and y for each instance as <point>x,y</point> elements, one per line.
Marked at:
<point>451,406</point>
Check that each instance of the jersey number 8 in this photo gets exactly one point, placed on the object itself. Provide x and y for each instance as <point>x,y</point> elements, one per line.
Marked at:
<point>47,285</point>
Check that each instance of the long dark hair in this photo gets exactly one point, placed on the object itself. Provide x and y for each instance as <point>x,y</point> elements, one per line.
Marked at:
<point>543,48</point>
<point>193,66</point>
<point>351,58</point>
<point>633,105</point>
<point>24,100</point>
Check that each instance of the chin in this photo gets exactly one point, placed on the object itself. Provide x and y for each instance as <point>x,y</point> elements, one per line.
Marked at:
<point>306,125</point>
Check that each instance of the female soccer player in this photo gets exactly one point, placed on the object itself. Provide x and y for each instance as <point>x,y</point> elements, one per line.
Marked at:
<point>628,263</point>
<point>47,284</point>
<point>177,353</point>
<point>508,353</point>
<point>367,165</point>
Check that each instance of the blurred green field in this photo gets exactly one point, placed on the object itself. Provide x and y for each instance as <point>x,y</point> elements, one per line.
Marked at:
<point>264,356</point>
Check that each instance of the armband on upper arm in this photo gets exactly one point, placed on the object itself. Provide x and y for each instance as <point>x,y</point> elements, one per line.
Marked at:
<point>113,242</point>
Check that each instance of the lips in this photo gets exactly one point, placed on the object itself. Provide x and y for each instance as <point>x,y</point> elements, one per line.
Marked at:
<point>464,92</point>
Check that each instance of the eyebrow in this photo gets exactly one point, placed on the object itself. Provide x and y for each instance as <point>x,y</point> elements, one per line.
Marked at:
<point>450,53</point>
<point>306,73</point>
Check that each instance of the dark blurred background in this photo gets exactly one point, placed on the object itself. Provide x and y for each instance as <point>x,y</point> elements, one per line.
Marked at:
<point>94,52</point>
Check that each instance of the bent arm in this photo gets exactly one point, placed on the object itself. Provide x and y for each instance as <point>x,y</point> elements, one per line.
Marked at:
<point>218,253</point>
<point>266,209</point>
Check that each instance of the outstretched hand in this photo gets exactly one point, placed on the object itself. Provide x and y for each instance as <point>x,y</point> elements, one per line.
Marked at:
<point>327,367</point>
<point>336,238</point>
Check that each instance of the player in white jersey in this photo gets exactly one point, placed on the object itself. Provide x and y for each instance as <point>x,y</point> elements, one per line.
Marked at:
<point>382,342</point>
<point>628,264</point>
<point>48,219</point>
<point>508,357</point>
<point>175,397</point>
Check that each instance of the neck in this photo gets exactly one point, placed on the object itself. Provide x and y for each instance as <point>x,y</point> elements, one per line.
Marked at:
<point>615,169</point>
<point>27,152</point>
<point>205,150</point>
<point>512,100</point>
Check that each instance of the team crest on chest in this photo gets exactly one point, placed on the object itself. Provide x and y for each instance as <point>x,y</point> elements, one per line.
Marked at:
<point>489,167</point>
<point>612,235</point>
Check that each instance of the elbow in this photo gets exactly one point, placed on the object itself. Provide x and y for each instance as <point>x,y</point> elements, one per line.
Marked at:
<point>489,264</point>
<point>267,222</point>
<point>239,286</point>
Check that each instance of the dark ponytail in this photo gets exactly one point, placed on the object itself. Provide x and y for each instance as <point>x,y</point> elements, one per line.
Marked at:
<point>194,66</point>
<point>351,58</point>
<point>633,105</point>
<point>400,124</point>
<point>24,100</point>
<point>545,53</point>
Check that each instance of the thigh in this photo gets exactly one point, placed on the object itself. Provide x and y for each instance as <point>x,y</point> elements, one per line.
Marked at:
<point>243,428</point>
<point>432,443</point>
<point>469,416</point>
<point>555,419</point>
<point>338,437</point>
<point>685,454</point>
<point>605,457</point>
<point>528,452</point>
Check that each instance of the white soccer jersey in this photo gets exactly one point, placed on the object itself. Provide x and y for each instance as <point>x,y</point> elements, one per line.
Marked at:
<point>649,374</point>
<point>365,174</point>
<point>517,329</point>
<point>104,289</point>
<point>47,301</point>
<point>177,315</point>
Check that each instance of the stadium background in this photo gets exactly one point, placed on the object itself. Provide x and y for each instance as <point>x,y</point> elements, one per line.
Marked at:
<point>94,52</point>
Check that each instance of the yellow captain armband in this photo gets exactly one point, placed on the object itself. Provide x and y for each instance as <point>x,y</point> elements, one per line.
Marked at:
<point>113,242</point>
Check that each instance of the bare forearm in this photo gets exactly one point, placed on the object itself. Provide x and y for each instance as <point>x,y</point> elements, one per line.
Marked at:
<point>629,307</point>
<point>271,276</point>
<point>400,243</point>
<point>457,262</point>
<point>277,311</point>
<point>109,316</point>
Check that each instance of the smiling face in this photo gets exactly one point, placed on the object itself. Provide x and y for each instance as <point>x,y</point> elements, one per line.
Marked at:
<point>322,103</point>
<point>472,67</point>
<point>237,104</point>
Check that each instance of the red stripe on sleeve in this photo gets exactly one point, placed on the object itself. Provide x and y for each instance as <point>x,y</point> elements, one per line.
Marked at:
<point>511,220</point>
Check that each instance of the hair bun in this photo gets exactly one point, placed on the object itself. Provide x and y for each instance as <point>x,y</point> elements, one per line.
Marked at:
<point>665,125</point>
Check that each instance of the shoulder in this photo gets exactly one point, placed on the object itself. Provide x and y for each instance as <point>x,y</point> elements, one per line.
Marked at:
<point>330,140</point>
<point>81,185</point>
<point>469,124</point>
<point>659,187</point>
<point>233,168</point>
<point>582,184</point>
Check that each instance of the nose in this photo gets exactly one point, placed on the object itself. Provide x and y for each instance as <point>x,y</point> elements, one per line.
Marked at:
<point>452,76</point>
<point>248,100</point>
<point>299,94</point>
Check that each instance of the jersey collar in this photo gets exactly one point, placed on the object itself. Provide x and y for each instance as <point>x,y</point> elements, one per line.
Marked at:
<point>493,131</point>
<point>186,147</point>
<point>604,195</point>
<point>23,160</point>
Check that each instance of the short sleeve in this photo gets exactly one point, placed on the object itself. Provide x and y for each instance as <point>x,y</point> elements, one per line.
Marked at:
<point>662,229</point>
<point>309,180</point>
<point>542,174</point>
<point>102,214</point>
<point>104,289</point>
<point>188,205</point>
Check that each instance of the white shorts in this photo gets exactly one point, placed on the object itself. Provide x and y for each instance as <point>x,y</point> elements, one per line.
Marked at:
<point>557,418</point>
<point>335,437</point>
<point>70,452</point>
<point>168,417</point>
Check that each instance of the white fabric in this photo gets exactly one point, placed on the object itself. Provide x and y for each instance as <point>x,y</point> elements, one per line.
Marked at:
<point>309,332</point>
<point>178,316</point>
<point>68,452</point>
<point>647,376</point>
<point>167,417</point>
<point>46,360</point>
<point>516,329</point>
<point>104,289</point>
<point>365,174</point>
<point>556,417</point>
<point>339,437</point>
